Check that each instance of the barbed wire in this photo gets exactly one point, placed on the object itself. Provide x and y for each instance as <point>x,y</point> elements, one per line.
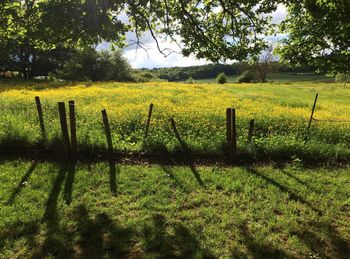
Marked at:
<point>333,121</point>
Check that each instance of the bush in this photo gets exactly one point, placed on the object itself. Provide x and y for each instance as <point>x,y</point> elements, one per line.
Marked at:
<point>344,78</point>
<point>246,77</point>
<point>91,65</point>
<point>221,78</point>
<point>190,81</point>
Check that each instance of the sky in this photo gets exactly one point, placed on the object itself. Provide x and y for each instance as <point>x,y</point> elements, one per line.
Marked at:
<point>152,58</point>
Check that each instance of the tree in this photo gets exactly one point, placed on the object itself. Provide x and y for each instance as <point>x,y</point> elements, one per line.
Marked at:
<point>221,78</point>
<point>91,65</point>
<point>263,63</point>
<point>31,27</point>
<point>216,30</point>
<point>318,35</point>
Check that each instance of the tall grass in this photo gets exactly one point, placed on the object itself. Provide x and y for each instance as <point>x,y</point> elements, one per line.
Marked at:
<point>281,112</point>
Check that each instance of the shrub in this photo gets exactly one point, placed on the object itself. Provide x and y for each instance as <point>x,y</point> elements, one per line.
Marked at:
<point>92,65</point>
<point>221,78</point>
<point>246,77</point>
<point>190,81</point>
<point>344,78</point>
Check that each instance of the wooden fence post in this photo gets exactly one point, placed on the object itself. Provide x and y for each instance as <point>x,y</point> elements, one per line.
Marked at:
<point>311,118</point>
<point>107,131</point>
<point>231,132</point>
<point>251,129</point>
<point>73,127</point>
<point>234,132</point>
<point>41,117</point>
<point>64,126</point>
<point>149,119</point>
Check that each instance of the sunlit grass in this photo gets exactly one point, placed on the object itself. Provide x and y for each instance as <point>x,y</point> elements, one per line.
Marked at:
<point>281,112</point>
<point>113,210</point>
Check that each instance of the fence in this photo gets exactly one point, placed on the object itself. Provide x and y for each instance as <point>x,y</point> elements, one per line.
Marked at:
<point>69,136</point>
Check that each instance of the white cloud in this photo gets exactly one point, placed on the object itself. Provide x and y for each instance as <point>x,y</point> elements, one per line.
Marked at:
<point>151,57</point>
<point>280,14</point>
<point>139,58</point>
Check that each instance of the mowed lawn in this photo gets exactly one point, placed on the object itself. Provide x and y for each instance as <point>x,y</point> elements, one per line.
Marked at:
<point>109,210</point>
<point>281,112</point>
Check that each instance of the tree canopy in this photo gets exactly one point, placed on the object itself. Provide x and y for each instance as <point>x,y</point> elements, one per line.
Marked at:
<point>29,28</point>
<point>217,30</point>
<point>318,34</point>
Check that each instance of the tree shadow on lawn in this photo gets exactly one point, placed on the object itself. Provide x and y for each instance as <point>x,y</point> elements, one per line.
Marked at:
<point>333,246</point>
<point>255,248</point>
<point>100,236</point>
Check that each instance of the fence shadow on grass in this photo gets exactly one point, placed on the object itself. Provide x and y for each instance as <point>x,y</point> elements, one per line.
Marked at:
<point>169,172</point>
<point>66,171</point>
<point>113,170</point>
<point>292,195</point>
<point>301,182</point>
<point>16,191</point>
<point>186,151</point>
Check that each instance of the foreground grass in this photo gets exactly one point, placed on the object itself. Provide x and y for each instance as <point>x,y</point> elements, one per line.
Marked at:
<point>112,210</point>
<point>281,112</point>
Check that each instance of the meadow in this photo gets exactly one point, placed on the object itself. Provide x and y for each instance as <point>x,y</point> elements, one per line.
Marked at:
<point>281,112</point>
<point>277,78</point>
<point>297,207</point>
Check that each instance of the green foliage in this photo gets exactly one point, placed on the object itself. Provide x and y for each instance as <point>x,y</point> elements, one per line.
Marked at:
<point>211,71</point>
<point>91,65</point>
<point>247,77</point>
<point>221,78</point>
<point>215,30</point>
<point>318,30</point>
<point>345,78</point>
<point>33,33</point>
<point>318,35</point>
<point>197,72</point>
<point>190,80</point>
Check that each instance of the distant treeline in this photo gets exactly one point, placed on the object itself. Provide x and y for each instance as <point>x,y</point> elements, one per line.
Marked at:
<point>212,70</point>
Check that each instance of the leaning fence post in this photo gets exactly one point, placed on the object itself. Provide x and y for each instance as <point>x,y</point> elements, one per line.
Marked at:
<point>107,131</point>
<point>251,128</point>
<point>311,118</point>
<point>73,126</point>
<point>64,126</point>
<point>231,131</point>
<point>149,119</point>
<point>41,117</point>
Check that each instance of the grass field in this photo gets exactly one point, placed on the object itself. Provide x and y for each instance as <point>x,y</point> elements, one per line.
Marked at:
<point>281,112</point>
<point>99,210</point>
<point>72,209</point>
<point>277,77</point>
